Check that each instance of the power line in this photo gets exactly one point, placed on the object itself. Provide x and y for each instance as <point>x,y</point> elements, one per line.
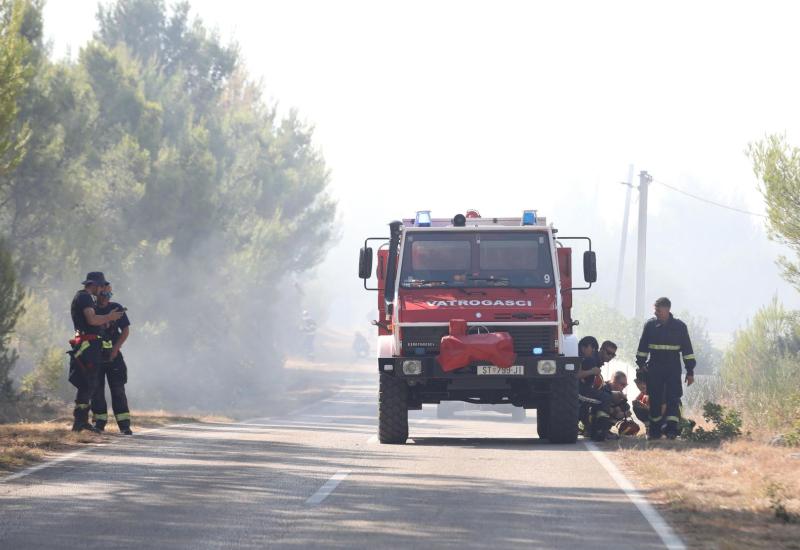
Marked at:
<point>725,206</point>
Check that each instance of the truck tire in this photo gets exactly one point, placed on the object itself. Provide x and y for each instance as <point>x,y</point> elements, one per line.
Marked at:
<point>518,414</point>
<point>563,426</point>
<point>543,420</point>
<point>392,410</point>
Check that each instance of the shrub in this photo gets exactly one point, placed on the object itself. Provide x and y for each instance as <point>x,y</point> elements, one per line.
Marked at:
<point>727,424</point>
<point>761,368</point>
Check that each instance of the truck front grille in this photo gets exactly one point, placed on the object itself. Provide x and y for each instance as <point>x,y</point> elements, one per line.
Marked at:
<point>426,340</point>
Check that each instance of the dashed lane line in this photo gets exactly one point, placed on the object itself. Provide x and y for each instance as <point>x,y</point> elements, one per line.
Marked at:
<point>671,540</point>
<point>329,486</point>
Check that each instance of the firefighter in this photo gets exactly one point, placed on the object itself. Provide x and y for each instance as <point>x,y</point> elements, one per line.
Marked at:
<point>620,408</point>
<point>113,367</point>
<point>86,352</point>
<point>598,400</point>
<point>608,350</point>
<point>664,339</point>
<point>641,405</point>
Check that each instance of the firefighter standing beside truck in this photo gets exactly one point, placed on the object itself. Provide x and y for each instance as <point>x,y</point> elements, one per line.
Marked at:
<point>86,353</point>
<point>664,339</point>
<point>113,367</point>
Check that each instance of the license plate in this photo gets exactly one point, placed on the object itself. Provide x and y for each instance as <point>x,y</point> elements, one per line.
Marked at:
<point>514,370</point>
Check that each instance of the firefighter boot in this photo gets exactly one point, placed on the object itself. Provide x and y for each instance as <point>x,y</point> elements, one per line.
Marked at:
<point>100,421</point>
<point>654,430</point>
<point>125,427</point>
<point>671,429</point>
<point>81,419</point>
<point>600,427</point>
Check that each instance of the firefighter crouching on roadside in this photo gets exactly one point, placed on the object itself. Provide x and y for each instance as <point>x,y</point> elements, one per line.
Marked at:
<point>664,339</point>
<point>86,352</point>
<point>113,367</point>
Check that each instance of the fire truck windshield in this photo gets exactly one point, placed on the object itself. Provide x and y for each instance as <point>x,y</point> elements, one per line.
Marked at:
<point>474,260</point>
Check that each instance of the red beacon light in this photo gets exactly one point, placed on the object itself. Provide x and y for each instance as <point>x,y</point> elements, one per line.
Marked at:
<point>473,214</point>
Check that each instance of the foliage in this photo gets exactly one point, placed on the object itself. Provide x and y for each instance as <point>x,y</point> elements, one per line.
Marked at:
<point>606,323</point>
<point>14,76</point>
<point>777,165</point>
<point>11,296</point>
<point>727,424</point>
<point>792,437</point>
<point>154,158</point>
<point>761,367</point>
<point>708,356</point>
<point>47,378</point>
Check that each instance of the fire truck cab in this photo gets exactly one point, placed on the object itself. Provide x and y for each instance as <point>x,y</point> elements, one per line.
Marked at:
<point>441,282</point>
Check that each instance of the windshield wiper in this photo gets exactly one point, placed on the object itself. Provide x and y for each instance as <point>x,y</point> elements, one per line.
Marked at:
<point>424,282</point>
<point>502,280</point>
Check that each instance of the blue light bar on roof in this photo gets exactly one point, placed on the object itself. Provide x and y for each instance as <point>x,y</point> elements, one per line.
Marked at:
<point>529,217</point>
<point>423,218</point>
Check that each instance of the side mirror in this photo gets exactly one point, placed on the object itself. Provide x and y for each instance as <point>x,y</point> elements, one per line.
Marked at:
<point>589,266</point>
<point>365,263</point>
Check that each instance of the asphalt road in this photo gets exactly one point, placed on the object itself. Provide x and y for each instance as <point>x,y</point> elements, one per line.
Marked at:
<point>318,478</point>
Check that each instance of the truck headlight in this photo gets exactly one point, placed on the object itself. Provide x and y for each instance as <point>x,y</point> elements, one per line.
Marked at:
<point>546,367</point>
<point>413,366</point>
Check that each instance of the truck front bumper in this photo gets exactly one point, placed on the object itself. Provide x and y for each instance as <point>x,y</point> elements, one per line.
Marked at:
<point>533,368</point>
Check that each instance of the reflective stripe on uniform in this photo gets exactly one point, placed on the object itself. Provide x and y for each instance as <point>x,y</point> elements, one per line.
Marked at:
<point>601,414</point>
<point>122,416</point>
<point>690,356</point>
<point>672,419</point>
<point>665,347</point>
<point>82,405</point>
<point>103,416</point>
<point>655,419</point>
<point>84,345</point>
<point>107,344</point>
<point>642,354</point>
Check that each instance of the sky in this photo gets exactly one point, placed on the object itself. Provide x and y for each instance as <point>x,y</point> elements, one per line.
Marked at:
<point>505,106</point>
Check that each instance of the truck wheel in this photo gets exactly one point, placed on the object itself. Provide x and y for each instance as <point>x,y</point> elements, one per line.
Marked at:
<point>518,414</point>
<point>543,421</point>
<point>563,425</point>
<point>392,410</point>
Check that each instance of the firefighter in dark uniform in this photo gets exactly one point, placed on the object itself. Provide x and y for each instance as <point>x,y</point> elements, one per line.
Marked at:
<point>113,367</point>
<point>664,339</point>
<point>592,398</point>
<point>86,352</point>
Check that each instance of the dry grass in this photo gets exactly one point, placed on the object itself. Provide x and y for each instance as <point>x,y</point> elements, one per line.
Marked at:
<point>737,494</point>
<point>25,443</point>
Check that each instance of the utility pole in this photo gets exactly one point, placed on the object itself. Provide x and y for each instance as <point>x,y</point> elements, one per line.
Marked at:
<point>641,254</point>
<point>623,242</point>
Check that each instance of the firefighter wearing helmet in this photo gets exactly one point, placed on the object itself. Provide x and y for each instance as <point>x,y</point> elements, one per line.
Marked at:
<point>664,339</point>
<point>86,354</point>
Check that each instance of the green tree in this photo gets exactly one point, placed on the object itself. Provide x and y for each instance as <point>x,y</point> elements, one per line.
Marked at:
<point>761,368</point>
<point>14,76</point>
<point>11,296</point>
<point>777,165</point>
<point>155,158</point>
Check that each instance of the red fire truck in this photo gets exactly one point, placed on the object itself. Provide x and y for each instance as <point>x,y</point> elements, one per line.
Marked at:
<point>478,310</point>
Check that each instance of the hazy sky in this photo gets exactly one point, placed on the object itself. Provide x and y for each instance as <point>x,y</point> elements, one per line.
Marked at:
<point>502,106</point>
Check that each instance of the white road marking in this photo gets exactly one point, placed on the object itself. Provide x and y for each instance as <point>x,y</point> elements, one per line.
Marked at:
<point>659,525</point>
<point>372,439</point>
<point>44,465</point>
<point>75,454</point>
<point>330,485</point>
